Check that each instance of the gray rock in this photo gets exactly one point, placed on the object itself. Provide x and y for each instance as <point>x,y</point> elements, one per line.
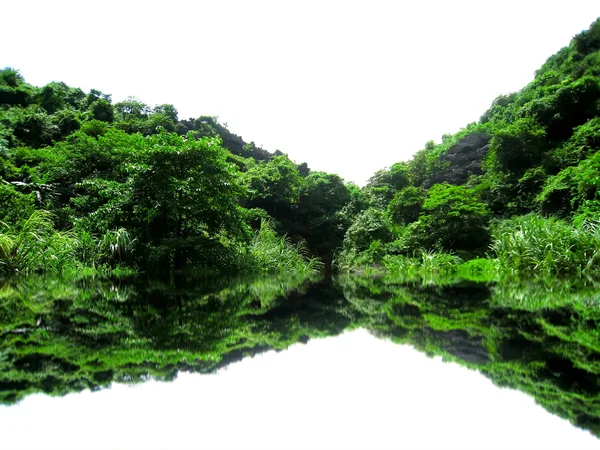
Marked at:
<point>464,159</point>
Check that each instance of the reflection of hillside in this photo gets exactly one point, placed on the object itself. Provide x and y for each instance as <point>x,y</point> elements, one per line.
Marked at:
<point>539,337</point>
<point>59,337</point>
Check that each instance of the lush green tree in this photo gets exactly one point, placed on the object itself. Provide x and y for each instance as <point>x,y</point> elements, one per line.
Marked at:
<point>518,146</point>
<point>406,205</point>
<point>386,182</point>
<point>34,127</point>
<point>588,41</point>
<point>584,142</point>
<point>168,110</point>
<point>274,185</point>
<point>56,96</point>
<point>95,95</point>
<point>453,218</point>
<point>397,177</point>
<point>131,116</point>
<point>572,188</point>
<point>11,77</point>
<point>569,105</point>
<point>131,108</point>
<point>13,89</point>
<point>318,216</point>
<point>102,110</point>
<point>84,157</point>
<point>185,194</point>
<point>370,225</point>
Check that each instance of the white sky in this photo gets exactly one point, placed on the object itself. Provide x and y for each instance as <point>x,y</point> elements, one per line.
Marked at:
<point>347,86</point>
<point>348,392</point>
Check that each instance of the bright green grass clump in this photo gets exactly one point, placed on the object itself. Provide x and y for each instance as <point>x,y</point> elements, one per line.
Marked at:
<point>427,262</point>
<point>36,246</point>
<point>535,245</point>
<point>271,253</point>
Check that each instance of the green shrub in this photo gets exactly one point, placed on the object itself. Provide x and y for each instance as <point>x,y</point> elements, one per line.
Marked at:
<point>406,205</point>
<point>14,206</point>
<point>572,187</point>
<point>369,226</point>
<point>519,145</point>
<point>479,269</point>
<point>453,218</point>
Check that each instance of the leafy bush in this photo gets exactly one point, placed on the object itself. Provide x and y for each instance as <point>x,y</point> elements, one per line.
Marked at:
<point>584,142</point>
<point>452,218</point>
<point>572,187</point>
<point>369,226</point>
<point>14,206</point>
<point>519,145</point>
<point>406,205</point>
<point>480,269</point>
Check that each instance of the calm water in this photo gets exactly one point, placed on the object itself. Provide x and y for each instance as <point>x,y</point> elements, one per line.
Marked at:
<point>360,363</point>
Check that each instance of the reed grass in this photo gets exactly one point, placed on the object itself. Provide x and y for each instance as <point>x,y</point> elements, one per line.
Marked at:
<point>271,253</point>
<point>532,244</point>
<point>36,246</point>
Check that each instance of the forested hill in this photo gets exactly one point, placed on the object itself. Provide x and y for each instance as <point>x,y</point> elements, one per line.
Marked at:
<point>91,183</point>
<point>87,182</point>
<point>520,186</point>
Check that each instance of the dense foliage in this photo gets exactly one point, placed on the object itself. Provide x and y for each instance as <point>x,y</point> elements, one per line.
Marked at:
<point>128,185</point>
<point>85,182</point>
<point>88,185</point>
<point>520,186</point>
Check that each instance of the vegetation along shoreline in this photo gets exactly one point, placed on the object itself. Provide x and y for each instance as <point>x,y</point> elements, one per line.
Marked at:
<point>89,185</point>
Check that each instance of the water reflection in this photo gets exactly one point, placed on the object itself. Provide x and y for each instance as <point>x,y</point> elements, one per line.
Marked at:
<point>352,391</point>
<point>58,337</point>
<point>539,337</point>
<point>61,337</point>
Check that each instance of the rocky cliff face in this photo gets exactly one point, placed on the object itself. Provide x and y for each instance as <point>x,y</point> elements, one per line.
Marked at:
<point>464,159</point>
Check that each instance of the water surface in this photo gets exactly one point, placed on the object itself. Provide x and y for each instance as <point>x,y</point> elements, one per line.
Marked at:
<point>354,388</point>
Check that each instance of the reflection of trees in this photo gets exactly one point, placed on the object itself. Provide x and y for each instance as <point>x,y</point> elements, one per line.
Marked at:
<point>539,337</point>
<point>60,337</point>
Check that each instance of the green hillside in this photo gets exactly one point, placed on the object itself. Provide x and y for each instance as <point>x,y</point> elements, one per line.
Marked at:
<point>519,187</point>
<point>90,183</point>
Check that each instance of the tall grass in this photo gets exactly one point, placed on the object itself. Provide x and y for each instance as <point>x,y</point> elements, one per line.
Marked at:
<point>535,245</point>
<point>529,245</point>
<point>271,253</point>
<point>36,246</point>
<point>104,253</point>
<point>115,245</point>
<point>425,263</point>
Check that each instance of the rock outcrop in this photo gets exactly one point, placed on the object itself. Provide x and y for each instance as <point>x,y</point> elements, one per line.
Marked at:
<point>465,158</point>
